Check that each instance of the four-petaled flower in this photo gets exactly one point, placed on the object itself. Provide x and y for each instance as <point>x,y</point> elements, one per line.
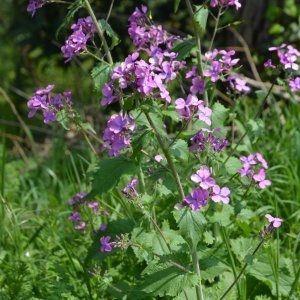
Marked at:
<point>274,222</point>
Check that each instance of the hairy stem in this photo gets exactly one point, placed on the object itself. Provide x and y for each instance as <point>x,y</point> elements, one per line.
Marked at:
<point>196,268</point>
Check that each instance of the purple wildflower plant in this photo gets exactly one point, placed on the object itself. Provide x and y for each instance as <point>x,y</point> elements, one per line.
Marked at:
<point>117,135</point>
<point>106,245</point>
<point>294,84</point>
<point>220,194</point>
<point>33,5</point>
<point>49,103</point>
<point>83,30</point>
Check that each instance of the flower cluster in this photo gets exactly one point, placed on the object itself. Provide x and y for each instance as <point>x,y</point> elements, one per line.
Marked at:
<point>148,77</point>
<point>220,66</point>
<point>89,209</point>
<point>254,167</point>
<point>83,30</point>
<point>207,188</point>
<point>206,138</point>
<point>117,135</point>
<point>145,35</point>
<point>214,3</point>
<point>33,5</point>
<point>48,103</point>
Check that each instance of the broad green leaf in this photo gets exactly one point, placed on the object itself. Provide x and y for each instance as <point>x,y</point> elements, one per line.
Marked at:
<point>262,270</point>
<point>164,279</point>
<point>190,225</point>
<point>201,16</point>
<point>243,247</point>
<point>208,238</point>
<point>180,150</point>
<point>219,115</point>
<point>232,165</point>
<point>211,268</point>
<point>223,217</point>
<point>101,74</point>
<point>184,48</point>
<point>107,173</point>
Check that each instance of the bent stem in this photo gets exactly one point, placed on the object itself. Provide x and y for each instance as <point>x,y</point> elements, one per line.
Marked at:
<point>99,31</point>
<point>241,272</point>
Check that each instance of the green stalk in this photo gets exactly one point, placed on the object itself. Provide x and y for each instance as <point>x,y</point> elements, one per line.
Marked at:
<point>196,268</point>
<point>99,31</point>
<point>226,240</point>
<point>241,272</point>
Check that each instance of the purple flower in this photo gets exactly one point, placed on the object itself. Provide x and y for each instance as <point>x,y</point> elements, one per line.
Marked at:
<point>214,3</point>
<point>81,227</point>
<point>238,84</point>
<point>186,108</point>
<point>49,104</point>
<point>106,246</point>
<point>295,84</point>
<point>202,177</point>
<point>197,199</point>
<point>75,217</point>
<point>261,180</point>
<point>214,72</point>
<point>77,199</point>
<point>33,5</point>
<point>274,222</point>
<point>269,64</point>
<point>129,190</point>
<point>76,42</point>
<point>205,137</point>
<point>117,135</point>
<point>198,85</point>
<point>220,194</point>
<point>103,227</point>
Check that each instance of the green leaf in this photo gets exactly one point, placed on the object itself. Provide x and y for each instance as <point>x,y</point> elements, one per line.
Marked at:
<point>101,75</point>
<point>208,238</point>
<point>232,165</point>
<point>87,126</point>
<point>110,32</point>
<point>219,115</point>
<point>176,5</point>
<point>242,247</point>
<point>184,48</point>
<point>180,150</point>
<point>223,217</point>
<point>164,279</point>
<point>201,16</point>
<point>190,225</point>
<point>63,119</point>
<point>107,173</point>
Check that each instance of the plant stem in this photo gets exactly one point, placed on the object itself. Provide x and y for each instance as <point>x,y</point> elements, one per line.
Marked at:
<point>225,237</point>
<point>242,271</point>
<point>99,31</point>
<point>166,152</point>
<point>196,268</point>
